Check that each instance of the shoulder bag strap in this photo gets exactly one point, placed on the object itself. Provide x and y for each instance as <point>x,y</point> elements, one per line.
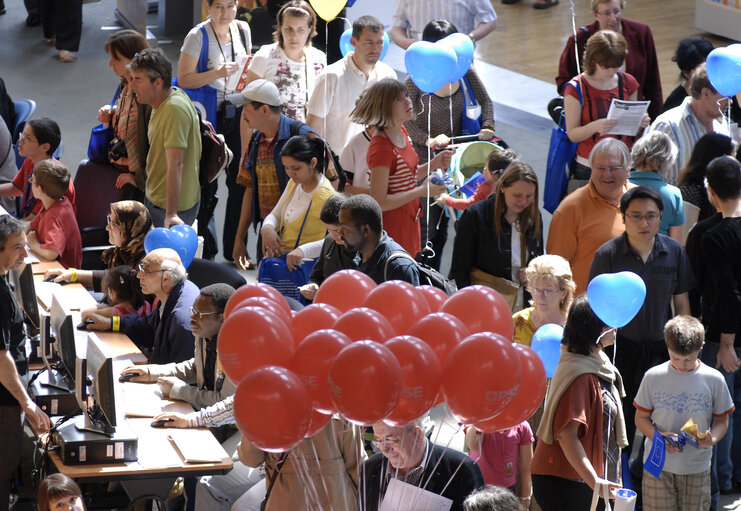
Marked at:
<point>203,58</point>
<point>306,215</point>
<point>621,93</point>
<point>391,257</point>
<point>273,478</point>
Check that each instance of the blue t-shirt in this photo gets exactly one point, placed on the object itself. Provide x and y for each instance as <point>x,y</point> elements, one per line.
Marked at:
<point>673,213</point>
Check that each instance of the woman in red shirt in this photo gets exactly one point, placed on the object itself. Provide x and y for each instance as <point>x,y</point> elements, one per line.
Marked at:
<point>393,162</point>
<point>601,81</point>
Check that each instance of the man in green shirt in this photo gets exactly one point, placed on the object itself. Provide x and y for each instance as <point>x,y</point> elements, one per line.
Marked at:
<point>172,188</point>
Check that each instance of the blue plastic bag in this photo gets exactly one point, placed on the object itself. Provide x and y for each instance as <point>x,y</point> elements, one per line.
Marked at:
<point>274,272</point>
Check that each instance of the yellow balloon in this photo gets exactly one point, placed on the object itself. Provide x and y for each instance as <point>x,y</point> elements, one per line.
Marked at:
<point>327,9</point>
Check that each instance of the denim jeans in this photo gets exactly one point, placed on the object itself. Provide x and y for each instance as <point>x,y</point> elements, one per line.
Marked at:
<point>158,214</point>
<point>726,464</point>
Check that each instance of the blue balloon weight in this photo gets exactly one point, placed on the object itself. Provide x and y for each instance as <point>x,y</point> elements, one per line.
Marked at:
<point>183,239</point>
<point>616,297</point>
<point>723,66</point>
<point>430,65</point>
<point>463,47</point>
<point>346,47</point>
<point>547,344</point>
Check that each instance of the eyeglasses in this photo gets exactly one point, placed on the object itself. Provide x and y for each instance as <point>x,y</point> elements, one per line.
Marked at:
<point>391,441</point>
<point>545,293</point>
<point>650,217</point>
<point>142,267</point>
<point>199,315</point>
<point>606,14</point>
<point>602,168</point>
<point>110,221</point>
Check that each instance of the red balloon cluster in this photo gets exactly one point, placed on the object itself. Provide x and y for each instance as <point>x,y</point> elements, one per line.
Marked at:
<point>388,352</point>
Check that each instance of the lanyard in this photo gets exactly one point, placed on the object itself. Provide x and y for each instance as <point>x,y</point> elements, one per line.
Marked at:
<point>222,51</point>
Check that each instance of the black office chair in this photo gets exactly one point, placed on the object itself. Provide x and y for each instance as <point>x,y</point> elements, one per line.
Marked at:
<point>203,272</point>
<point>95,191</point>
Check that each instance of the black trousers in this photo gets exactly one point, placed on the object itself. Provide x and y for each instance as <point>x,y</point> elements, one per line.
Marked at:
<point>62,19</point>
<point>235,193</point>
<point>558,494</point>
<point>11,431</point>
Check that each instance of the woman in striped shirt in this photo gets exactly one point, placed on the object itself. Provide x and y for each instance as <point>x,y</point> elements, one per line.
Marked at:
<point>393,163</point>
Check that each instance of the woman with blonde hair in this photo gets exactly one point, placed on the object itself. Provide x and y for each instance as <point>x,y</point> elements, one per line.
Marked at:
<point>393,162</point>
<point>499,236</point>
<point>587,98</point>
<point>291,62</point>
<point>552,287</point>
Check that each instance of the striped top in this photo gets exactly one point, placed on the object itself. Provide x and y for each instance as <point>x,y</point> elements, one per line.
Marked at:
<point>402,162</point>
<point>685,129</point>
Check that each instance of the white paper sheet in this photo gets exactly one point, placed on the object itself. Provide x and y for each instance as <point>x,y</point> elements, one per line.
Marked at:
<point>628,115</point>
<point>401,496</point>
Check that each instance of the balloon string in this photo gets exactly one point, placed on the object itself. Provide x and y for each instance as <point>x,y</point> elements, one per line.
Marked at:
<point>573,29</point>
<point>428,244</point>
<point>326,113</point>
<point>450,108</point>
<point>442,455</point>
<point>321,472</point>
<point>404,489</point>
<point>303,470</point>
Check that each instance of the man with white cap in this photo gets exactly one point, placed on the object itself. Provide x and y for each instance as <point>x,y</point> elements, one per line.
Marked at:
<point>262,173</point>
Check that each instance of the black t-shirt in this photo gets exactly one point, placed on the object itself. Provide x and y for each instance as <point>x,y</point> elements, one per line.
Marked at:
<point>12,334</point>
<point>722,246</point>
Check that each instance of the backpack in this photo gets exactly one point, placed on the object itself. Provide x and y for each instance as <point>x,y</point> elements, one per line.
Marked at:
<point>428,276</point>
<point>215,154</point>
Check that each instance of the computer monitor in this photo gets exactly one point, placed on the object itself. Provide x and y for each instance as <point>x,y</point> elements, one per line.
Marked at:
<point>64,332</point>
<point>25,293</point>
<point>97,372</point>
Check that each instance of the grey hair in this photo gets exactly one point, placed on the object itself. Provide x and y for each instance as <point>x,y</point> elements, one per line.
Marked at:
<point>491,497</point>
<point>656,151</point>
<point>607,144</point>
<point>8,226</point>
<point>177,271</point>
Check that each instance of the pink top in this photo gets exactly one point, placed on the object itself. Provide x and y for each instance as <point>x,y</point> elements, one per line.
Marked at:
<point>482,192</point>
<point>500,452</point>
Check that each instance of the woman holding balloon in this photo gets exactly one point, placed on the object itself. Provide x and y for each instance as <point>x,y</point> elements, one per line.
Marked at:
<point>394,164</point>
<point>499,236</point>
<point>291,62</point>
<point>583,427</point>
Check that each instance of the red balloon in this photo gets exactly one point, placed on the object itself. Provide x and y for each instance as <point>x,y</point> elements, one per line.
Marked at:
<point>435,297</point>
<point>312,360</point>
<point>272,408</point>
<point>252,337</point>
<point>266,303</point>
<point>345,289</point>
<point>318,422</point>
<point>362,323</point>
<point>312,318</point>
<point>255,289</point>
<point>482,310</point>
<point>421,374</point>
<point>529,396</point>
<point>481,377</point>
<point>399,302</point>
<point>365,382</point>
<point>442,332</point>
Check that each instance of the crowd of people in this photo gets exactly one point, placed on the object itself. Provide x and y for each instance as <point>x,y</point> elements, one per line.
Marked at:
<point>332,164</point>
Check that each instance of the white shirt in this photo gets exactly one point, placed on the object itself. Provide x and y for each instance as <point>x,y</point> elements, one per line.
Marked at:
<point>464,14</point>
<point>353,159</point>
<point>335,94</point>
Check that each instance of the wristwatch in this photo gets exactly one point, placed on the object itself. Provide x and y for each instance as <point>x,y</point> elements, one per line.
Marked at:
<point>470,34</point>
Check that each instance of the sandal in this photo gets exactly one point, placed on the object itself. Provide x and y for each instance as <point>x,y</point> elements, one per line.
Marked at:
<point>51,41</point>
<point>545,5</point>
<point>67,56</point>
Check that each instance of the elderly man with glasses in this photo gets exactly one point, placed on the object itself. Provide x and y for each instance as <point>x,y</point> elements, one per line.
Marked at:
<point>410,458</point>
<point>172,190</point>
<point>590,215</point>
<point>166,331</point>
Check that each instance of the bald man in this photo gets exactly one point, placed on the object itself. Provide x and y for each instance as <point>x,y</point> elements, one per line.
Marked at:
<point>166,330</point>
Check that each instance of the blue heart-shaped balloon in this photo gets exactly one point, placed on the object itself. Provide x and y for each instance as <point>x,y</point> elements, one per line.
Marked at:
<point>723,66</point>
<point>616,297</point>
<point>462,45</point>
<point>346,47</point>
<point>430,65</point>
<point>183,239</point>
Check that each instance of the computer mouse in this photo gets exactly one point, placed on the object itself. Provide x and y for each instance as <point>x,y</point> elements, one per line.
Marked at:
<point>161,423</point>
<point>50,279</point>
<point>84,324</point>
<point>126,377</point>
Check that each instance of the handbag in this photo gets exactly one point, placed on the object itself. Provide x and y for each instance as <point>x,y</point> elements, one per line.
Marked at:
<point>203,98</point>
<point>560,156</point>
<point>278,466</point>
<point>601,491</point>
<point>504,287</point>
<point>101,138</point>
<point>274,271</point>
<point>471,117</point>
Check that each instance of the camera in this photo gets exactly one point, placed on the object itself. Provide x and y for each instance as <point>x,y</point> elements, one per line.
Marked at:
<point>118,150</point>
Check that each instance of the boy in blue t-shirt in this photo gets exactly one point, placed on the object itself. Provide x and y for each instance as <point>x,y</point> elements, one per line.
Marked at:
<point>670,394</point>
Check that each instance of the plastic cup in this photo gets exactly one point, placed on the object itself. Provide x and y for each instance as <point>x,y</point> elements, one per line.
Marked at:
<point>625,500</point>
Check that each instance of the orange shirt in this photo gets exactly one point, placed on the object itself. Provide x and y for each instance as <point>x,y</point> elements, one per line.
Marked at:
<point>583,222</point>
